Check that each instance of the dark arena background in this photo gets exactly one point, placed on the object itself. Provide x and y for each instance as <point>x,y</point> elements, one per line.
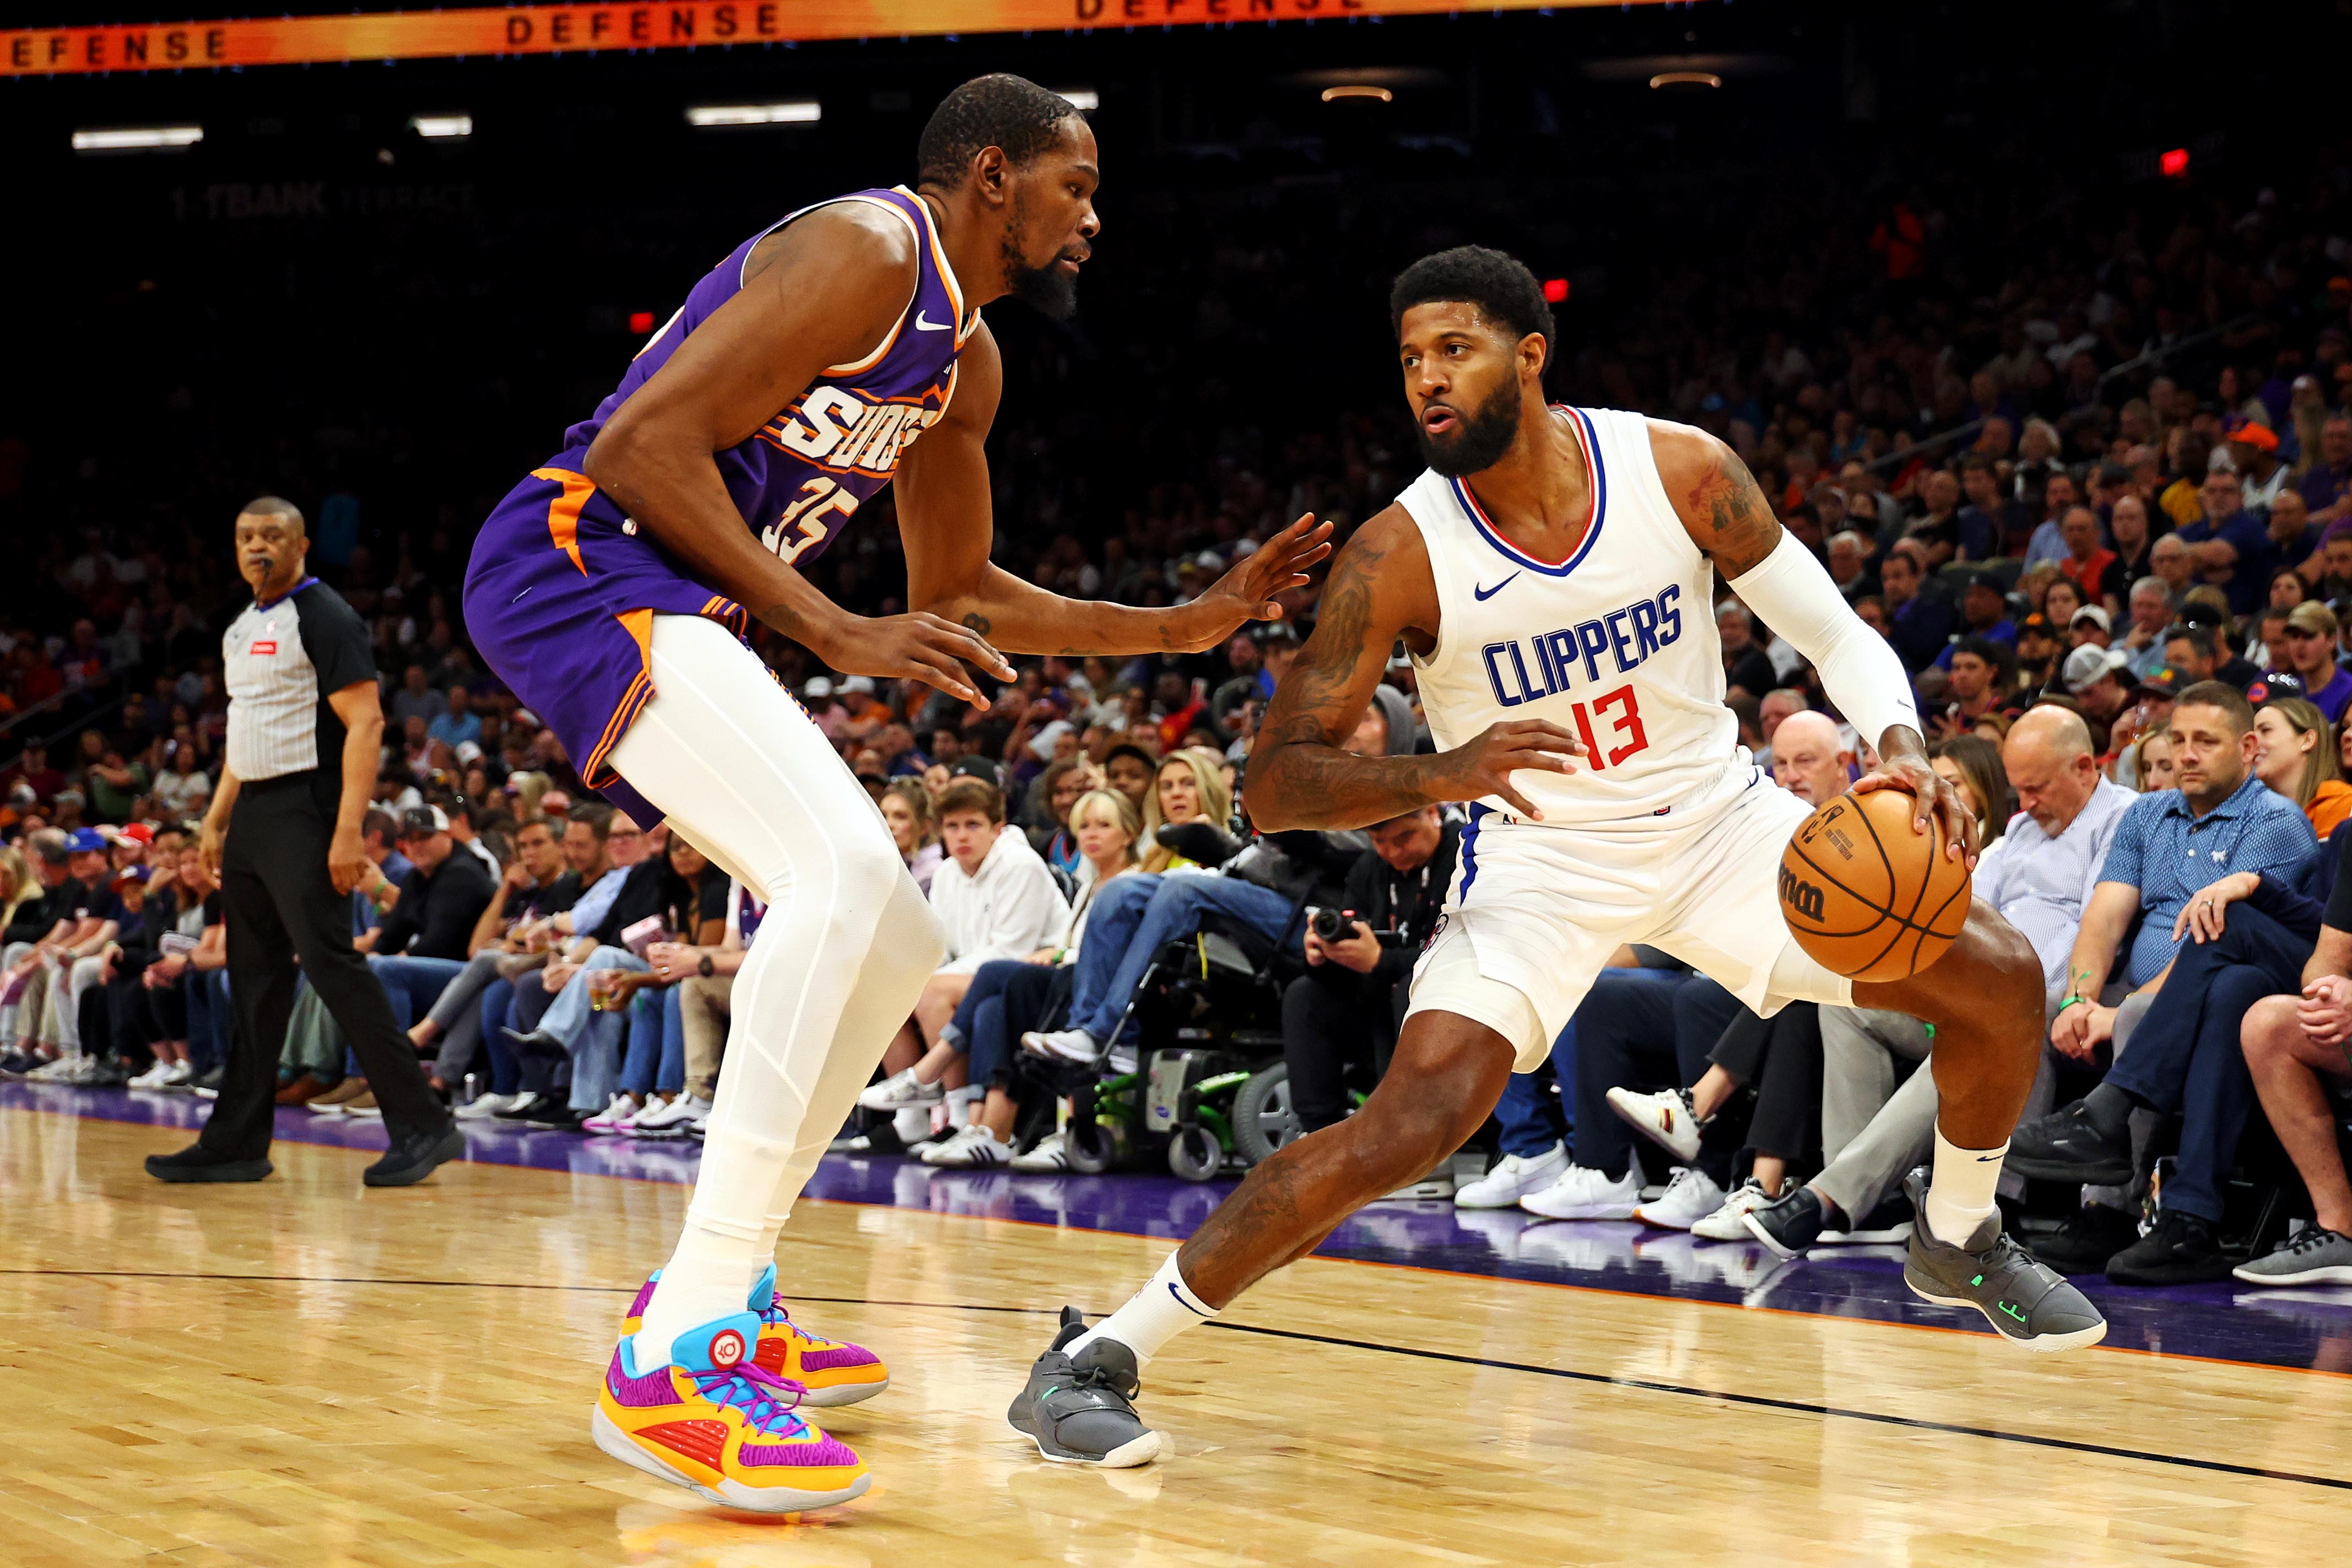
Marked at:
<point>1949,278</point>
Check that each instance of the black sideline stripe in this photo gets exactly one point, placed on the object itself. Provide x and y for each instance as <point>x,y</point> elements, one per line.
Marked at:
<point>1645,1386</point>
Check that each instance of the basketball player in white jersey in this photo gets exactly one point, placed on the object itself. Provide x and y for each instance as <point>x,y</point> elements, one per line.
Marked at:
<point>1552,575</point>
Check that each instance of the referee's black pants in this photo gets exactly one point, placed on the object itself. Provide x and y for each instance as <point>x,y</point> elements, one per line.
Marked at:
<point>281,906</point>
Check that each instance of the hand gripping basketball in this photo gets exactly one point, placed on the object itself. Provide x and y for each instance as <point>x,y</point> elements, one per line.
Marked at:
<point>1869,896</point>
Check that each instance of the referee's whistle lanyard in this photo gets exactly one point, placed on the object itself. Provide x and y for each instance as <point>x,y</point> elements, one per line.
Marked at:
<point>260,603</point>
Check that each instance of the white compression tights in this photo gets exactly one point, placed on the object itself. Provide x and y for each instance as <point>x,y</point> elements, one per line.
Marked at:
<point>839,960</point>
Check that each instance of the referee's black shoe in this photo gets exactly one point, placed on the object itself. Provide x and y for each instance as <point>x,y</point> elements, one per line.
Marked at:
<point>198,1164</point>
<point>414,1155</point>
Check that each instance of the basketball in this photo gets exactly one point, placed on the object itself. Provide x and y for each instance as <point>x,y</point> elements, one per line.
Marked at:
<point>1868,896</point>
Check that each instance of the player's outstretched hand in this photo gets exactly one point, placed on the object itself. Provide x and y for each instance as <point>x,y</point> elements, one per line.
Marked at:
<point>1246,592</point>
<point>1485,766</point>
<point>919,646</point>
<point>1933,796</point>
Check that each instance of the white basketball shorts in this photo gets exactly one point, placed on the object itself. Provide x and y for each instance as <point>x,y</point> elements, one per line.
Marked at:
<point>1534,913</point>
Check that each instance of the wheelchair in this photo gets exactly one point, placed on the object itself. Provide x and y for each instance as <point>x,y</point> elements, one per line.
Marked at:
<point>1209,1014</point>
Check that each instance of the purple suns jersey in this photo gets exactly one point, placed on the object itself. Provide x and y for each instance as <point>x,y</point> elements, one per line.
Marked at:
<point>801,477</point>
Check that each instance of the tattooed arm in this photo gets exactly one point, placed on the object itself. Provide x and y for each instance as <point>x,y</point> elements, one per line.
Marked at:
<point>945,518</point>
<point>1728,517</point>
<point>1381,590</point>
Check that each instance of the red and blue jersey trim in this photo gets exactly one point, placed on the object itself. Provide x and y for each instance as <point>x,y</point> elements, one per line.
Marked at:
<point>1588,440</point>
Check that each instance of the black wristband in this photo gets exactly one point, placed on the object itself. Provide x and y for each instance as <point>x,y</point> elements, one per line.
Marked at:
<point>704,968</point>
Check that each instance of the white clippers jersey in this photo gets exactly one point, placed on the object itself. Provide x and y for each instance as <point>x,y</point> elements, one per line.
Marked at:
<point>1616,644</point>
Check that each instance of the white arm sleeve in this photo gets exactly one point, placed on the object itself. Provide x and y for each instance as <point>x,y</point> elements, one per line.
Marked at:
<point>1862,674</point>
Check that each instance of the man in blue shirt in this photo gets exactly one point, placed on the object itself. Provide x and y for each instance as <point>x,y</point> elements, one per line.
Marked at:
<point>2308,652</point>
<point>2229,544</point>
<point>2179,856</point>
<point>458,725</point>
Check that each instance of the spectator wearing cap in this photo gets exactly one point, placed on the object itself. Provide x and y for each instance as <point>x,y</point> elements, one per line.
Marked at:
<point>2228,545</point>
<point>1984,614</point>
<point>2089,628</point>
<point>2037,648</point>
<point>429,919</point>
<point>1982,682</point>
<point>2253,452</point>
<point>2096,678</point>
<point>305,736</point>
<point>2307,651</point>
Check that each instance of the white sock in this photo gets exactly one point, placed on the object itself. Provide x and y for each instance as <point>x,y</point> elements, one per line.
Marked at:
<point>1960,1191</point>
<point>912,1123</point>
<point>1153,1316</point>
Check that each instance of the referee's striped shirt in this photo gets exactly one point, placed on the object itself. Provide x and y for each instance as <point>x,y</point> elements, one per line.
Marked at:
<point>282,659</point>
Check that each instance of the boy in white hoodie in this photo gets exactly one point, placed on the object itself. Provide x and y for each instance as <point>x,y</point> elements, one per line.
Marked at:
<point>994,899</point>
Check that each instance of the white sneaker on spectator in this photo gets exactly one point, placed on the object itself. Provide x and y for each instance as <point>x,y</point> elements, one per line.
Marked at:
<point>1062,1045</point>
<point>899,1091</point>
<point>1664,1118</point>
<point>1723,1224</point>
<point>970,1147</point>
<point>178,1075</point>
<point>1690,1196</point>
<point>152,1078</point>
<point>481,1108</point>
<point>1512,1178</point>
<point>1582,1193</point>
<point>622,1109</point>
<point>675,1119</point>
<point>652,1102</point>
<point>57,1069</point>
<point>1051,1154</point>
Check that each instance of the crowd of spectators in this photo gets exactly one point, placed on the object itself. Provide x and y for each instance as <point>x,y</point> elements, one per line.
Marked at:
<point>2097,492</point>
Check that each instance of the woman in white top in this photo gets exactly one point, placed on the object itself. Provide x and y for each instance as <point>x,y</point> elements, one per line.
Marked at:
<point>1004,998</point>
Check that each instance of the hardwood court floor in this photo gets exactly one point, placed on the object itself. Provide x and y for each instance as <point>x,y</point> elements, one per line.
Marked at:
<point>296,1374</point>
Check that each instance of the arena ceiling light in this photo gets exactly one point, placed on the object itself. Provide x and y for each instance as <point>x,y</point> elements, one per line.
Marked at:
<point>136,138</point>
<point>1084,100</point>
<point>1358,90</point>
<point>792,111</point>
<point>441,127</point>
<point>1685,79</point>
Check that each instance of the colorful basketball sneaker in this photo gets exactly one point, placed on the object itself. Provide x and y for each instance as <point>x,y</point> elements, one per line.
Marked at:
<point>833,1373</point>
<point>715,1423</point>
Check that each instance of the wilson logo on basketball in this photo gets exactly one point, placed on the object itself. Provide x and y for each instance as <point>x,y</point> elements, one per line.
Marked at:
<point>1800,895</point>
<point>727,1349</point>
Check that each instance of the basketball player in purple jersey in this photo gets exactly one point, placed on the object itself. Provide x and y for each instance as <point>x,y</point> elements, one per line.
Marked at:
<point>835,351</point>
<point>1553,577</point>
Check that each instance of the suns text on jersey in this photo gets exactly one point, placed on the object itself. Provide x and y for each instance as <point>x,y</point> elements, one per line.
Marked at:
<point>1524,669</point>
<point>832,428</point>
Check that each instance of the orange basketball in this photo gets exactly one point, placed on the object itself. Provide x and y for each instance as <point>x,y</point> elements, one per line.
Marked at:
<point>1865,895</point>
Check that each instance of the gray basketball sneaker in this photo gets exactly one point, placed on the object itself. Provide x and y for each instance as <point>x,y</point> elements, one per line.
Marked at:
<point>1077,1410</point>
<point>2027,1303</point>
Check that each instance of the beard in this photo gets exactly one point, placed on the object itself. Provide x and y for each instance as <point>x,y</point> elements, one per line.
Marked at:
<point>1046,289</point>
<point>1481,438</point>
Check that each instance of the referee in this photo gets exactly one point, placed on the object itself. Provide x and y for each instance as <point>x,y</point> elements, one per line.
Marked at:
<point>305,737</point>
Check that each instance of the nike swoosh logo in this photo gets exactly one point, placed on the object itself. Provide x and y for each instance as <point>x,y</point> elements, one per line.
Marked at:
<point>1482,595</point>
<point>923,324</point>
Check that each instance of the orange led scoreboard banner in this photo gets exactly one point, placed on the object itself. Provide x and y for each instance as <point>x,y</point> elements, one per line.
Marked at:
<point>682,24</point>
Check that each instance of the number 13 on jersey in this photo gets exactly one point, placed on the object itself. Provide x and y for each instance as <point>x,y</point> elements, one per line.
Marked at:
<point>808,519</point>
<point>1621,733</point>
